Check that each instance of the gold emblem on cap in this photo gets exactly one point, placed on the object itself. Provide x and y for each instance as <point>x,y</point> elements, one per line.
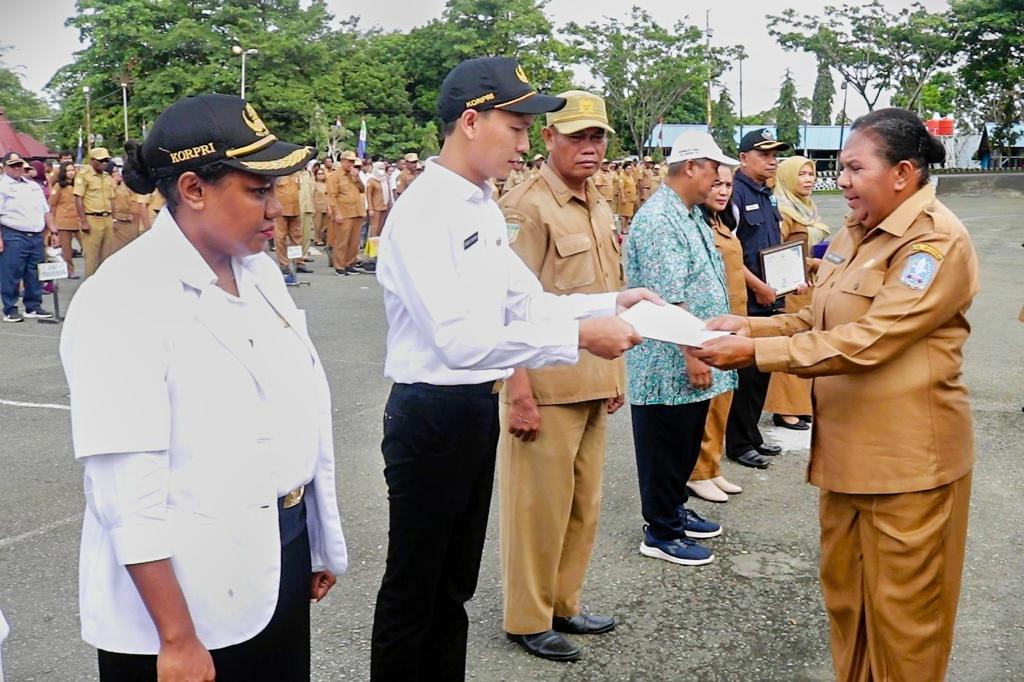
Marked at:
<point>587,105</point>
<point>253,120</point>
<point>521,75</point>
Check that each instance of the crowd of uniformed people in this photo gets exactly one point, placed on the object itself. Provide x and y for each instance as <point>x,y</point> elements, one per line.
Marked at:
<point>211,516</point>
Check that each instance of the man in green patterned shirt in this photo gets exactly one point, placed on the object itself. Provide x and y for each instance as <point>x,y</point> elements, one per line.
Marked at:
<point>671,251</point>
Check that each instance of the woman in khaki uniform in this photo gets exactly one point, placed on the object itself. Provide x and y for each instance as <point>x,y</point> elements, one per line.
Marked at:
<point>706,480</point>
<point>126,208</point>
<point>320,207</point>
<point>789,396</point>
<point>65,214</point>
<point>892,446</point>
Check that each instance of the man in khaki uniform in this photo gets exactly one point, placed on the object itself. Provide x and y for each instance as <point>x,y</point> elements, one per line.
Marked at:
<point>553,420</point>
<point>288,225</point>
<point>647,182</point>
<point>892,445</point>
<point>515,178</point>
<point>125,210</point>
<point>347,210</point>
<point>94,199</point>
<point>603,182</point>
<point>408,173</point>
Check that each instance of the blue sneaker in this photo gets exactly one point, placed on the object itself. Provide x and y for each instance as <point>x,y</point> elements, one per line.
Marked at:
<point>682,551</point>
<point>290,279</point>
<point>696,526</point>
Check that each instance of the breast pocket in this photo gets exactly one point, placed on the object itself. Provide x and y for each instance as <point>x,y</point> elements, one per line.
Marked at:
<point>864,282</point>
<point>574,264</point>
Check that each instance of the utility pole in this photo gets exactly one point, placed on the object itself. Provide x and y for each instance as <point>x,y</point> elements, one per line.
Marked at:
<point>243,53</point>
<point>124,104</point>
<point>741,95</point>
<point>707,58</point>
<point>842,120</point>
<point>88,118</point>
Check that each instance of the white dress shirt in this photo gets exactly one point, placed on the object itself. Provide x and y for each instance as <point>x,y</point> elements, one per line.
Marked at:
<point>23,205</point>
<point>191,417</point>
<point>462,308</point>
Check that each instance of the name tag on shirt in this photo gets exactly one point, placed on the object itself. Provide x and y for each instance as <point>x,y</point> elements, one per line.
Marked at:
<point>834,258</point>
<point>470,240</point>
<point>752,207</point>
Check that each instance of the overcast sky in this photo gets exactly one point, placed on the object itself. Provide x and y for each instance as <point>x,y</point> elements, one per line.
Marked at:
<point>40,44</point>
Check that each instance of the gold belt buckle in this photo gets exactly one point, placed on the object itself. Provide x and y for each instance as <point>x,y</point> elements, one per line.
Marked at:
<point>294,497</point>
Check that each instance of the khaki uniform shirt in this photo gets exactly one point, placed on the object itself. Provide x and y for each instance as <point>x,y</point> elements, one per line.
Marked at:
<point>603,182</point>
<point>627,195</point>
<point>571,247</point>
<point>648,184</point>
<point>124,203</point>
<point>375,195</point>
<point>320,197</point>
<point>514,179</point>
<point>287,192</point>
<point>96,190</point>
<point>306,201</point>
<point>883,339</point>
<point>346,195</point>
<point>731,250</point>
<point>405,179</point>
<point>62,204</point>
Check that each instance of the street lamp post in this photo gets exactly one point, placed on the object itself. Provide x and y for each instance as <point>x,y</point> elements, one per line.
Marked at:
<point>842,121</point>
<point>88,117</point>
<point>124,104</point>
<point>239,51</point>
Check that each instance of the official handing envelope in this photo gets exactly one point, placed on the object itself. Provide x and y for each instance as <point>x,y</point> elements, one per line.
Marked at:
<point>668,323</point>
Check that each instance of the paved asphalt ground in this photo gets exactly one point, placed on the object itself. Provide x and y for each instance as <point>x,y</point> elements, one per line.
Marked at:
<point>754,614</point>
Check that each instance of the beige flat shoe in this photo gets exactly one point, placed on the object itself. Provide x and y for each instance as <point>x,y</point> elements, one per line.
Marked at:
<point>725,486</point>
<point>706,490</point>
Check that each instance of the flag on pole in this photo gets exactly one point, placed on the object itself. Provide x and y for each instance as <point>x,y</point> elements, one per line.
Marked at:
<point>361,147</point>
<point>78,157</point>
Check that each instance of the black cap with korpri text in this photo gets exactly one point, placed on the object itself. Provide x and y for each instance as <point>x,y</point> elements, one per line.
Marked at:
<point>491,83</point>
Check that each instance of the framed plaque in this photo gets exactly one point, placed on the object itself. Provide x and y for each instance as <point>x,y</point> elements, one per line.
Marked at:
<point>784,267</point>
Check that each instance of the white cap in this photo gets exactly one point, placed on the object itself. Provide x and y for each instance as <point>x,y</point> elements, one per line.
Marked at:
<point>696,144</point>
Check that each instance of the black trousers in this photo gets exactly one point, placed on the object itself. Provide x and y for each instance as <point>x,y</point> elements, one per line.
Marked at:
<point>439,449</point>
<point>666,439</point>
<point>741,430</point>
<point>279,652</point>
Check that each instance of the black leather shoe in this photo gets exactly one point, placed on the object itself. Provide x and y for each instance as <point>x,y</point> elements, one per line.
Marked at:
<point>799,425</point>
<point>752,459</point>
<point>303,269</point>
<point>548,645</point>
<point>769,450</point>
<point>583,624</point>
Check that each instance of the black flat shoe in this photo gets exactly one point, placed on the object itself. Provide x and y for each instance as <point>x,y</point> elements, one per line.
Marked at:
<point>548,645</point>
<point>800,424</point>
<point>583,624</point>
<point>752,459</point>
<point>769,450</point>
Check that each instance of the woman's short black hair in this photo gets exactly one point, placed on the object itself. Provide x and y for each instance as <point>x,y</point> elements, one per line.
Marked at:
<point>139,178</point>
<point>903,137</point>
<point>62,174</point>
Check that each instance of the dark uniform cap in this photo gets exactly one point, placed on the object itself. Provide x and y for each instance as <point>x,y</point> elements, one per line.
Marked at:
<point>205,129</point>
<point>763,140</point>
<point>491,83</point>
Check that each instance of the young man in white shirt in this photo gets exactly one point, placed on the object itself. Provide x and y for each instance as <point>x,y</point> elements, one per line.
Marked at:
<point>462,310</point>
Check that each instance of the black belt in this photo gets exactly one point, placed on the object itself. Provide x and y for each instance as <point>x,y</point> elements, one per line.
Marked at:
<point>487,388</point>
<point>100,214</point>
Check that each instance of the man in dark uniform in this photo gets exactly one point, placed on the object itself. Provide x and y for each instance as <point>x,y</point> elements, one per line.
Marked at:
<point>758,229</point>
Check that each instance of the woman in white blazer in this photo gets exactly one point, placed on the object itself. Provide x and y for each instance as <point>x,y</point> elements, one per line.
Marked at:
<point>201,414</point>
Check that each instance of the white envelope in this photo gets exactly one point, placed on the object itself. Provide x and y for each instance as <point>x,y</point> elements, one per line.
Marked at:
<point>669,323</point>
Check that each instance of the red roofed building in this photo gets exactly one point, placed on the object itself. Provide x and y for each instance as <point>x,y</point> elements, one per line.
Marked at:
<point>22,143</point>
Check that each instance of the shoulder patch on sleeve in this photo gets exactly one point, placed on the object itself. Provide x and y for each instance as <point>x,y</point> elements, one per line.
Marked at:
<point>919,270</point>
<point>929,249</point>
<point>513,224</point>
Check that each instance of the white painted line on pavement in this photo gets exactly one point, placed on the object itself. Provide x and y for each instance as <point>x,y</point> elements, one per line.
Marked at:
<point>43,530</point>
<point>31,336</point>
<point>49,406</point>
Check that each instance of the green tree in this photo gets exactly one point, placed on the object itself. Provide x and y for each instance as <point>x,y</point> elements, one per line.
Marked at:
<point>938,95</point>
<point>724,122</point>
<point>873,48</point>
<point>992,73</point>
<point>643,68</point>
<point>787,120</point>
<point>22,107</point>
<point>824,92</point>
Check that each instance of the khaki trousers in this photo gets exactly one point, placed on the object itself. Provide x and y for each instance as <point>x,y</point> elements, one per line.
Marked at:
<point>97,243</point>
<point>377,222</point>
<point>550,496</point>
<point>124,232</point>
<point>307,232</point>
<point>345,245</point>
<point>890,573</point>
<point>709,463</point>
<point>320,222</point>
<point>287,232</point>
